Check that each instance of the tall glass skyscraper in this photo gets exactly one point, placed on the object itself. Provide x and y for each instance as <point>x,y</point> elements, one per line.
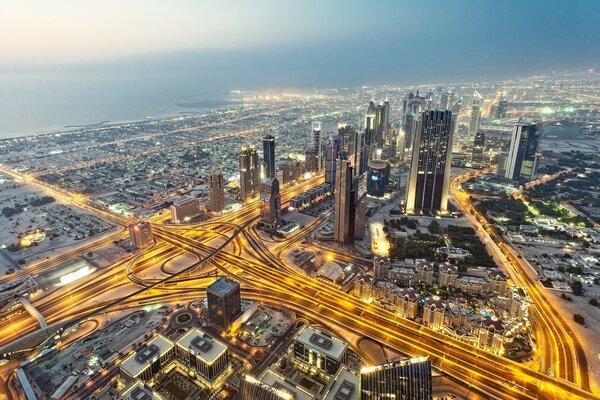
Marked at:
<point>522,161</point>
<point>409,379</point>
<point>429,177</point>
<point>269,156</point>
<point>224,302</point>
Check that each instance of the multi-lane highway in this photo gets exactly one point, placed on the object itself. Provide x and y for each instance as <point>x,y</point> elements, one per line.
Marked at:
<point>266,277</point>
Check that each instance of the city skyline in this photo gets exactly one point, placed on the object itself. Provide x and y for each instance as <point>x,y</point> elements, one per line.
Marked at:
<point>314,201</point>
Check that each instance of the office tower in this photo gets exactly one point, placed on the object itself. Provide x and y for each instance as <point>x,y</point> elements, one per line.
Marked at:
<point>475,113</point>
<point>270,203</point>
<point>316,142</point>
<point>285,173</point>
<point>297,170</point>
<point>409,126</point>
<point>501,160</point>
<point>334,145</point>
<point>445,101</point>
<point>249,173</point>
<point>359,210</point>
<point>224,302</point>
<point>387,131</point>
<point>141,234</point>
<point>522,161</point>
<point>378,177</point>
<point>409,379</point>
<point>357,148</point>
<point>344,199</point>
<point>369,129</point>
<point>269,156</point>
<point>312,162</point>
<point>378,136</point>
<point>501,109</point>
<point>216,190</point>
<point>252,389</point>
<point>429,177</point>
<point>184,209</point>
<point>477,157</point>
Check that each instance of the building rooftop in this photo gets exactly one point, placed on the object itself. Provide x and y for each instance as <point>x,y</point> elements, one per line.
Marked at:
<point>279,382</point>
<point>322,342</point>
<point>146,355</point>
<point>223,287</point>
<point>139,391</point>
<point>202,345</point>
<point>344,386</point>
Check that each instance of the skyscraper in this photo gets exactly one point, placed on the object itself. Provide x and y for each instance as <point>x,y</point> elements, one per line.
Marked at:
<point>224,302</point>
<point>249,172</point>
<point>477,158</point>
<point>475,113</point>
<point>367,140</point>
<point>378,177</point>
<point>335,144</point>
<point>357,147</point>
<point>316,141</point>
<point>343,222</point>
<point>140,234</point>
<point>522,162</point>
<point>378,135</point>
<point>312,162</point>
<point>216,190</point>
<point>501,109</point>
<point>429,176</point>
<point>387,131</point>
<point>445,101</point>
<point>270,203</point>
<point>269,156</point>
<point>409,379</point>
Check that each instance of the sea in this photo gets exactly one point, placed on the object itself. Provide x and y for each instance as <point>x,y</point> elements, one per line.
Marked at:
<point>33,103</point>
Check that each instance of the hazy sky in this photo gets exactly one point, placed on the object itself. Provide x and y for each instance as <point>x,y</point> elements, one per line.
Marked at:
<point>308,41</point>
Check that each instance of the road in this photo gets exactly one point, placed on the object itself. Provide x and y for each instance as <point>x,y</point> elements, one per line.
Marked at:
<point>267,278</point>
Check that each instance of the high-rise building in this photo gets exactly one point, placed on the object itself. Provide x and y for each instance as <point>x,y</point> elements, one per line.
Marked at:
<point>476,104</point>
<point>409,379</point>
<point>312,162</point>
<point>141,234</point>
<point>296,170</point>
<point>184,209</point>
<point>249,173</point>
<point>429,177</point>
<point>344,199</point>
<point>335,144</point>
<point>316,141</point>
<point>368,139</point>
<point>216,190</point>
<point>285,173</point>
<point>501,109</point>
<point>378,135</point>
<point>269,156</point>
<point>378,177</point>
<point>270,203</point>
<point>359,210</point>
<point>224,302</point>
<point>522,160</point>
<point>357,148</point>
<point>477,157</point>
<point>387,131</point>
<point>445,101</point>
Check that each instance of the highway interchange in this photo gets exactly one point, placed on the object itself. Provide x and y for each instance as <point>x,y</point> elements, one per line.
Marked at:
<point>266,277</point>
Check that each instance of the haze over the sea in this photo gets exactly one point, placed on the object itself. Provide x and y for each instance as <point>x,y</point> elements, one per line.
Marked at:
<point>75,73</point>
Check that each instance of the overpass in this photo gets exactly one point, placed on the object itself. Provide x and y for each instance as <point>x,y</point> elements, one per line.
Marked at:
<point>34,312</point>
